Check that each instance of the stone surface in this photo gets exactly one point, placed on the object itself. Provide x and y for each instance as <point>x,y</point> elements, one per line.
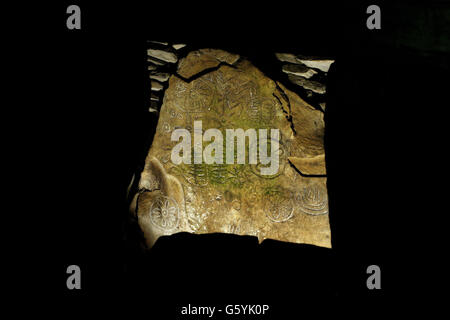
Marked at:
<point>154,104</point>
<point>203,59</point>
<point>309,166</point>
<point>287,57</point>
<point>156,86</point>
<point>156,61</point>
<point>159,42</point>
<point>312,62</point>
<point>162,55</point>
<point>154,97</point>
<point>235,198</point>
<point>161,77</point>
<point>314,86</point>
<point>178,46</point>
<point>321,64</point>
<point>298,70</point>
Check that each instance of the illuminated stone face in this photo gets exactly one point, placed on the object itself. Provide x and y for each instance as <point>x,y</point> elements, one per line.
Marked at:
<point>235,196</point>
<point>265,149</point>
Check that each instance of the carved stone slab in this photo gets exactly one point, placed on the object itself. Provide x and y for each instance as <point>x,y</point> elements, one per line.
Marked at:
<point>290,205</point>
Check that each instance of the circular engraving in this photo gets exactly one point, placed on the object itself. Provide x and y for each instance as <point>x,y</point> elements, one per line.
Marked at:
<point>236,204</point>
<point>166,127</point>
<point>199,97</point>
<point>313,200</point>
<point>180,89</point>
<point>175,115</point>
<point>280,211</point>
<point>164,213</point>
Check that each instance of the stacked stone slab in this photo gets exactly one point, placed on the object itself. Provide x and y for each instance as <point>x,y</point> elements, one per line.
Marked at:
<point>162,62</point>
<point>309,74</point>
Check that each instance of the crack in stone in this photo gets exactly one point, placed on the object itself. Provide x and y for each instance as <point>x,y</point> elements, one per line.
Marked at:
<point>279,101</point>
<point>306,175</point>
<point>285,96</point>
<point>204,72</point>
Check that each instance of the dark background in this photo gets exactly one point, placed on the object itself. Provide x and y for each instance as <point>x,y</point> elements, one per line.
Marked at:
<point>382,94</point>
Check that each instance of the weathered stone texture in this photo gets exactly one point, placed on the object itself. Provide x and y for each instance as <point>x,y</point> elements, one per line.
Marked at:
<point>235,198</point>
